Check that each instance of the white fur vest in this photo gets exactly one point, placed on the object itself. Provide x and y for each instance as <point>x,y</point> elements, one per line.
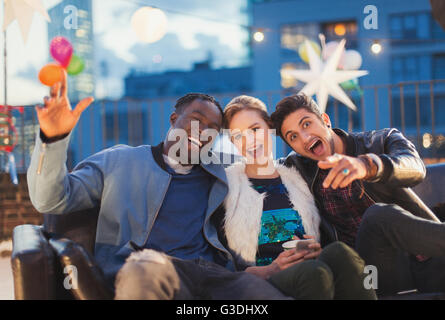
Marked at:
<point>244,208</point>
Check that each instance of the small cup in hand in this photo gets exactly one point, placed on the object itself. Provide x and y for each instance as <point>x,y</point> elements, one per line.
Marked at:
<point>300,245</point>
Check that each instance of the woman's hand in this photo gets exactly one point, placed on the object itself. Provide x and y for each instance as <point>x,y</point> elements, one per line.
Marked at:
<point>288,258</point>
<point>284,260</point>
<point>315,249</point>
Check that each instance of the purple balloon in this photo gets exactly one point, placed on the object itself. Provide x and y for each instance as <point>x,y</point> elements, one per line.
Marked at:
<point>61,50</point>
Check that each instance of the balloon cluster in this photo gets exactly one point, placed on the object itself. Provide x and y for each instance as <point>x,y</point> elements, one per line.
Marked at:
<point>350,60</point>
<point>62,51</point>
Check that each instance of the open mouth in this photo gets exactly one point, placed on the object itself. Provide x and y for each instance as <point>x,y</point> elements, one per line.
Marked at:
<point>255,151</point>
<point>316,147</point>
<point>195,142</point>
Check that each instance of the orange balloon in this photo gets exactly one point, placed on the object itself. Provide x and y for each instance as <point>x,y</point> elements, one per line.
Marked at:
<point>50,74</point>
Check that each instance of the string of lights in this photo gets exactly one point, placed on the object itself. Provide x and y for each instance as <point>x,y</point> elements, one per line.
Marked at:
<point>259,33</point>
<point>190,14</point>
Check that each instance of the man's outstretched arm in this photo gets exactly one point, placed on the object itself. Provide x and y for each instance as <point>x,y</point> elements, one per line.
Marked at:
<point>402,164</point>
<point>397,163</point>
<point>51,188</point>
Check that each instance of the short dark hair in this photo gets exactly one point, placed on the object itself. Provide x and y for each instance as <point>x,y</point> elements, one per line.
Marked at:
<point>184,101</point>
<point>291,104</point>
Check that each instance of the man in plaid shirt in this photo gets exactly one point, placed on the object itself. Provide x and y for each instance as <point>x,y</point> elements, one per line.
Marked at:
<point>361,182</point>
<point>343,207</point>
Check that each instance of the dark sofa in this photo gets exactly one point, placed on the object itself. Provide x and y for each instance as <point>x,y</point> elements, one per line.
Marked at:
<point>42,255</point>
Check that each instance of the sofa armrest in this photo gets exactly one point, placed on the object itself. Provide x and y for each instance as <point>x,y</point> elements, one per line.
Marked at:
<point>33,264</point>
<point>82,276</point>
<point>431,190</point>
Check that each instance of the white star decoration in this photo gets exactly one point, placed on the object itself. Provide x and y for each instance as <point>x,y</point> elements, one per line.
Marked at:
<point>23,11</point>
<point>323,79</point>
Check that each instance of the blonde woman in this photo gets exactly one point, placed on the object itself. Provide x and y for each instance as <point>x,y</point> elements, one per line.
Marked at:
<point>269,204</point>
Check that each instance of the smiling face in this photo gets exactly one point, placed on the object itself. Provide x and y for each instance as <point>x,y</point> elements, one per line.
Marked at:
<point>195,119</point>
<point>251,136</point>
<point>309,135</point>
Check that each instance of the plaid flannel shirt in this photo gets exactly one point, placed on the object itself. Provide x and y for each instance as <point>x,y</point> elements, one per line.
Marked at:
<point>343,207</point>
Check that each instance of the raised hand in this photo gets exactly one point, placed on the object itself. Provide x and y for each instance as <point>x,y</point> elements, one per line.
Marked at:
<point>56,117</point>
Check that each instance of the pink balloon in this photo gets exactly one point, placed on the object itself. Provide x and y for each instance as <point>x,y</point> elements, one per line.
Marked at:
<point>329,49</point>
<point>61,50</point>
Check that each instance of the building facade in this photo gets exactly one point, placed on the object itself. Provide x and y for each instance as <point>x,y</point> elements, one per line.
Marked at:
<point>202,78</point>
<point>74,21</point>
<point>399,91</point>
<point>413,50</point>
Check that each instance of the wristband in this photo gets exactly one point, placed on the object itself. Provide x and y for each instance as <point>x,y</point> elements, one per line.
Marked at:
<point>371,166</point>
<point>45,139</point>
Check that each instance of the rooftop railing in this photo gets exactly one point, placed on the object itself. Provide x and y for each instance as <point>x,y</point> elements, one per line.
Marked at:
<point>416,108</point>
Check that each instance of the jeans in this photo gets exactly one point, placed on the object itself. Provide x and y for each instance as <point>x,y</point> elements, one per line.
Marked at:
<point>338,273</point>
<point>390,237</point>
<point>150,274</point>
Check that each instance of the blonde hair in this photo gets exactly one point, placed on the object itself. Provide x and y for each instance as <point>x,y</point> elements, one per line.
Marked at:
<point>244,102</point>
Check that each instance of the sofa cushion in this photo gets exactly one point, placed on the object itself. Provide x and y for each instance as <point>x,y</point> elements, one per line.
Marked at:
<point>432,189</point>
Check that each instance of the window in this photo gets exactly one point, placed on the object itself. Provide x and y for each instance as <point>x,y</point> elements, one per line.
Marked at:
<point>289,81</point>
<point>424,26</point>
<point>414,26</point>
<point>409,23</point>
<point>409,26</point>
<point>395,25</point>
<point>292,36</point>
<point>436,29</point>
<point>439,66</point>
<point>407,68</point>
<point>411,68</point>
<point>335,31</point>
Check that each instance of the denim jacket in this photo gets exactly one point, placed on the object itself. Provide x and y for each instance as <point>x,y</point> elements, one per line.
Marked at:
<point>127,183</point>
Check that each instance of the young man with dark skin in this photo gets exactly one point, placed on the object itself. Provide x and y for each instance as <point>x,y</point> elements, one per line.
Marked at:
<point>361,182</point>
<point>156,236</point>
